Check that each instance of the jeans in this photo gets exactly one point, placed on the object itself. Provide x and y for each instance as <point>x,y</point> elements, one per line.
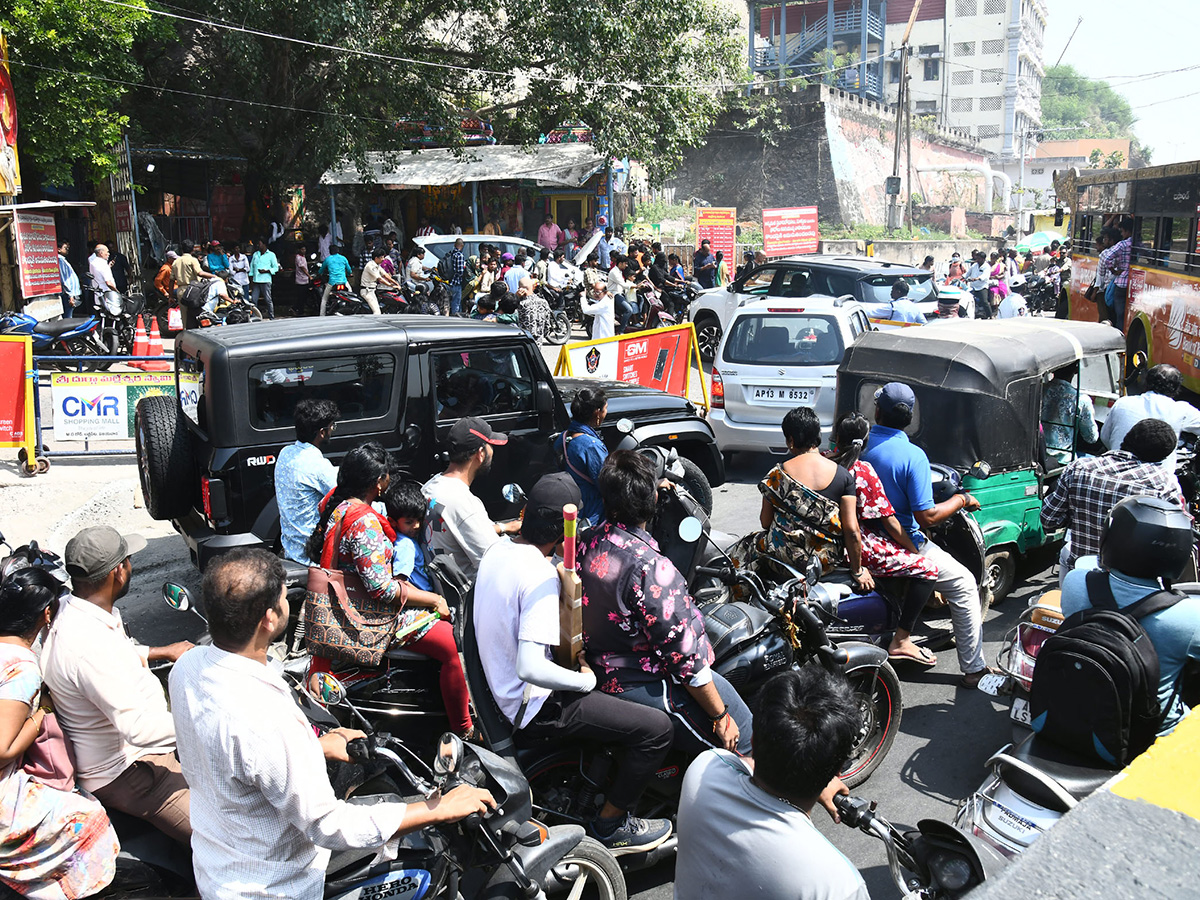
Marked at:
<point>983,303</point>
<point>644,735</point>
<point>263,289</point>
<point>68,309</point>
<point>961,591</point>
<point>624,310</point>
<point>1116,298</point>
<point>455,298</point>
<point>693,727</point>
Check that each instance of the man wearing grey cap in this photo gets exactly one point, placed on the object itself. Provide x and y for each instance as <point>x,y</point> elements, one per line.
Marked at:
<point>110,705</point>
<point>903,469</point>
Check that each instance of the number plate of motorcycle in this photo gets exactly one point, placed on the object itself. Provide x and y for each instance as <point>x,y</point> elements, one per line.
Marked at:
<point>1020,711</point>
<point>771,394</point>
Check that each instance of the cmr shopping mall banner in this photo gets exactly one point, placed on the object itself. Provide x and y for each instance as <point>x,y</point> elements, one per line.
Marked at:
<point>792,230</point>
<point>100,406</point>
<point>660,358</point>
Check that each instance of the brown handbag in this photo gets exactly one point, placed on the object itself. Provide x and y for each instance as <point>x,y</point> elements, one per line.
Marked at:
<point>342,621</point>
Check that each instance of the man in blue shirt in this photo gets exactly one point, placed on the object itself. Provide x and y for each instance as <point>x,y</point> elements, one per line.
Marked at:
<point>901,309</point>
<point>903,469</point>
<point>263,266</point>
<point>1145,559</point>
<point>704,266</point>
<point>336,271</point>
<point>303,476</point>
<point>585,451</point>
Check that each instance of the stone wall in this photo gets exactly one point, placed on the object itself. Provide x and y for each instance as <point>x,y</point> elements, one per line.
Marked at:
<point>832,150</point>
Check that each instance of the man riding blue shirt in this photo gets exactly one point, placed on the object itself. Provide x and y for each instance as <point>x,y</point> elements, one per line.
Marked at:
<point>903,469</point>
<point>584,451</point>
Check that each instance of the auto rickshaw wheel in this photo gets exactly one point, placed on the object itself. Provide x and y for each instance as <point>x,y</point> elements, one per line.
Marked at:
<point>1000,573</point>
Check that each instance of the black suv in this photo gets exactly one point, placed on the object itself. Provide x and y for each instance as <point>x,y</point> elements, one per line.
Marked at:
<point>207,458</point>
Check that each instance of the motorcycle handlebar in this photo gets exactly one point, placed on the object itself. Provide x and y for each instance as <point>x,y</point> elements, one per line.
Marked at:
<point>721,573</point>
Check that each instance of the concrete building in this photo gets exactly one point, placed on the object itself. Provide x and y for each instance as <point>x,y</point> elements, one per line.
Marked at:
<point>1062,155</point>
<point>976,66</point>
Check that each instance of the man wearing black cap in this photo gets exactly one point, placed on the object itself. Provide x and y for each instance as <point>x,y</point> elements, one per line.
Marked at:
<point>111,707</point>
<point>461,524</point>
<point>903,469</point>
<point>516,606</point>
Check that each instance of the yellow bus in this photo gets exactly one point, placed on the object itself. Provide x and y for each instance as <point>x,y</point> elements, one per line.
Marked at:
<point>1162,313</point>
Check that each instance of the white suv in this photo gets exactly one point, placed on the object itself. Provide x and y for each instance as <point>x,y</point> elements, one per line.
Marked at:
<point>778,353</point>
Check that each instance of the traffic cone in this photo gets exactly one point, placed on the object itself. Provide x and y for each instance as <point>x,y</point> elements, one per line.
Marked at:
<point>156,349</point>
<point>141,345</point>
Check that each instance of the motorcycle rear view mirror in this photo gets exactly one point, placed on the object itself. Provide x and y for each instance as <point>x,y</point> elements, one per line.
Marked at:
<point>625,426</point>
<point>449,755</point>
<point>513,493</point>
<point>690,529</point>
<point>329,689</point>
<point>177,596</point>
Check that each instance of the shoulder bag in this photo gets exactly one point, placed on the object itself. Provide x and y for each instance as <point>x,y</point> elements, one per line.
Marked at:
<point>342,621</point>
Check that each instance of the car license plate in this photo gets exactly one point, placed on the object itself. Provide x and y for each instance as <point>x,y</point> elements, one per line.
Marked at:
<point>1020,711</point>
<point>783,394</point>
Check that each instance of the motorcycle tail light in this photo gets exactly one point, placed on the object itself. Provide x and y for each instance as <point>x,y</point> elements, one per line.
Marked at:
<point>717,390</point>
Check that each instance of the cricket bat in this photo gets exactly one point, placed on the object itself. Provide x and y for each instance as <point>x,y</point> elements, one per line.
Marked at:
<point>570,594</point>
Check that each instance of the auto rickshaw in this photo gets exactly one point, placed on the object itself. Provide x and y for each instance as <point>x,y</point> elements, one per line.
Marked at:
<point>979,387</point>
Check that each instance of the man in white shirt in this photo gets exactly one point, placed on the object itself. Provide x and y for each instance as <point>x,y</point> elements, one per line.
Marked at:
<point>745,825</point>
<point>558,276</point>
<point>1163,385</point>
<point>977,278</point>
<point>109,704</point>
<point>264,814</point>
<point>461,524</point>
<point>100,270</point>
<point>516,608</point>
<point>1013,306</point>
<point>372,275</point>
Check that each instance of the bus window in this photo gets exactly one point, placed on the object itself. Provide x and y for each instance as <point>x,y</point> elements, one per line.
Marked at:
<point>1083,234</point>
<point>1175,240</point>
<point>1144,232</point>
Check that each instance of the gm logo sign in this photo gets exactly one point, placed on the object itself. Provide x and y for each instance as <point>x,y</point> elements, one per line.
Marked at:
<point>633,348</point>
<point>74,407</point>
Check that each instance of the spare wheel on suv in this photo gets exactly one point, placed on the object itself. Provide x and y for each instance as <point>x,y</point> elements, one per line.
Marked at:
<point>166,463</point>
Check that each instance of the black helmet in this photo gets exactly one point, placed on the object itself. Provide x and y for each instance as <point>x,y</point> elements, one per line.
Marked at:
<point>1147,538</point>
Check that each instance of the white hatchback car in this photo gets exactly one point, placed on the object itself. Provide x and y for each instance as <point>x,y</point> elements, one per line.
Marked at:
<point>778,353</point>
<point>438,245</point>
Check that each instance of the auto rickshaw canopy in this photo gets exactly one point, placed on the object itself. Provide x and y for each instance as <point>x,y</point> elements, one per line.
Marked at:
<point>978,383</point>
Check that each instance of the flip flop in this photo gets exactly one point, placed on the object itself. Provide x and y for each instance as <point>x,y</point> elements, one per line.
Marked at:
<point>971,681</point>
<point>926,659</point>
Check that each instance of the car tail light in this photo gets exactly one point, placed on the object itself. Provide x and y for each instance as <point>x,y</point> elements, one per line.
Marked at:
<point>206,496</point>
<point>717,390</point>
<point>214,496</point>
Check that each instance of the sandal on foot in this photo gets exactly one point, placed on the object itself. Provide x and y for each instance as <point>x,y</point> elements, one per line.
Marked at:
<point>971,680</point>
<point>924,659</point>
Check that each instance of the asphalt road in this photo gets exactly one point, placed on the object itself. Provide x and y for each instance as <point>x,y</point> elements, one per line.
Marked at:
<point>946,733</point>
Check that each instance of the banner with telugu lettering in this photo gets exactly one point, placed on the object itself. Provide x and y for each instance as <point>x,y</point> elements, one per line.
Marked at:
<point>792,230</point>
<point>37,255</point>
<point>718,225</point>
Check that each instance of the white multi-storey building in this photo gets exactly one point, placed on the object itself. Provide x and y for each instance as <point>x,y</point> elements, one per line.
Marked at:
<point>977,66</point>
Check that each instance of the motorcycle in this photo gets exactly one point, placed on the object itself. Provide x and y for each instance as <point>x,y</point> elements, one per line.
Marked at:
<point>564,310</point>
<point>945,861</point>
<point>233,311</point>
<point>502,855</point>
<point>63,338</point>
<point>1043,291</point>
<point>118,315</point>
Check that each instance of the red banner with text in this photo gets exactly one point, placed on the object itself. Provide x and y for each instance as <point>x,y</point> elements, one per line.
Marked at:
<point>661,358</point>
<point>792,230</point>
<point>718,225</point>
<point>37,255</point>
<point>16,360</point>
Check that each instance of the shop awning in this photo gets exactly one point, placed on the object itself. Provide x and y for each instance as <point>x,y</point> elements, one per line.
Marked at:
<point>567,165</point>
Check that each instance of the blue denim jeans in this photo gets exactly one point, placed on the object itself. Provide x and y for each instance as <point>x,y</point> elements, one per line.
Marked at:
<point>624,310</point>
<point>455,298</point>
<point>693,728</point>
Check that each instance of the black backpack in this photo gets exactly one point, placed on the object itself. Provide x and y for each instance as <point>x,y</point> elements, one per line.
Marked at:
<point>1095,685</point>
<point>194,295</point>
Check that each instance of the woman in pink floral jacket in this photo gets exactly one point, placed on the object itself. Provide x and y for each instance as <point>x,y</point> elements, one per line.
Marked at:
<point>642,634</point>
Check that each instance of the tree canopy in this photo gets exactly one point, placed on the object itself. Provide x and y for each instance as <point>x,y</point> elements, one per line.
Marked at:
<point>217,76</point>
<point>1070,99</point>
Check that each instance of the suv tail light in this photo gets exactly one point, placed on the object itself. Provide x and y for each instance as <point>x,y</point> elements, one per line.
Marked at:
<point>717,390</point>
<point>206,496</point>
<point>215,499</point>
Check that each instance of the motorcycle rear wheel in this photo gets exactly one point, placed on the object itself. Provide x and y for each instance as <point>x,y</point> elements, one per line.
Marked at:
<point>558,332</point>
<point>881,707</point>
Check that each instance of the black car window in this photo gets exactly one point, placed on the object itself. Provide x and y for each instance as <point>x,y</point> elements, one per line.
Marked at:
<point>781,338</point>
<point>792,283</point>
<point>482,382</point>
<point>758,281</point>
<point>360,385</point>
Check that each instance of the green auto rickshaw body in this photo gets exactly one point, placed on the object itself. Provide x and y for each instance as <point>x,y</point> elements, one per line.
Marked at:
<point>979,400</point>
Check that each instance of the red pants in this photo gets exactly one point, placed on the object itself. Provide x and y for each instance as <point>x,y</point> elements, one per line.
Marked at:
<point>438,643</point>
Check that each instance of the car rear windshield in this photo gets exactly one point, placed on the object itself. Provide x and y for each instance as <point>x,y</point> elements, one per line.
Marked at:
<point>878,288</point>
<point>794,339</point>
<point>360,385</point>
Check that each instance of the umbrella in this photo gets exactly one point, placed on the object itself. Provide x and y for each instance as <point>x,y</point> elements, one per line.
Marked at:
<point>1039,240</point>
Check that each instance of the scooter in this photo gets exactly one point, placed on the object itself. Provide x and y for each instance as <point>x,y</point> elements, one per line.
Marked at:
<point>502,855</point>
<point>945,861</point>
<point>59,338</point>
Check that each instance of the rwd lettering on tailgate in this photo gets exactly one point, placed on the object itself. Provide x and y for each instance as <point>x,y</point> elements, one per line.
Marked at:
<point>633,348</point>
<point>73,407</point>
